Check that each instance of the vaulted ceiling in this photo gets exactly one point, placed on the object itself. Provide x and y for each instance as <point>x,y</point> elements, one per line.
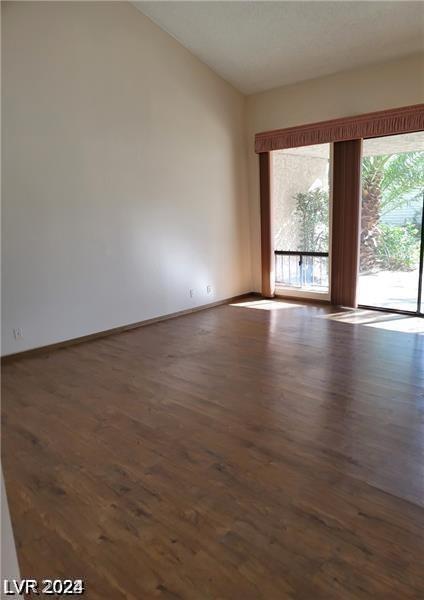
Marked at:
<point>259,45</point>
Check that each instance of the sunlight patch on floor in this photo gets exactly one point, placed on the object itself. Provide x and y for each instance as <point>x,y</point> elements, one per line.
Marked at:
<point>371,318</point>
<point>406,324</point>
<point>266,304</point>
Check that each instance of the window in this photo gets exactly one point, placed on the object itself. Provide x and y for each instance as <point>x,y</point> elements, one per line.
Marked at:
<point>301,207</point>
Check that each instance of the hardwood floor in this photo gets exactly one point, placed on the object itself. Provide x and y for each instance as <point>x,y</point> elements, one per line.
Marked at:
<point>235,453</point>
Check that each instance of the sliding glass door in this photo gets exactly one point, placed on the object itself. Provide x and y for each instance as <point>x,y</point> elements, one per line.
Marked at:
<point>301,191</point>
<point>391,249</point>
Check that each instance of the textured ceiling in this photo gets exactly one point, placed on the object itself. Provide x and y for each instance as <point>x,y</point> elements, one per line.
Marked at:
<point>261,45</point>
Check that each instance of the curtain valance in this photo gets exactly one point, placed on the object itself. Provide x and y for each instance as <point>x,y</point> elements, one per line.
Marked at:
<point>376,124</point>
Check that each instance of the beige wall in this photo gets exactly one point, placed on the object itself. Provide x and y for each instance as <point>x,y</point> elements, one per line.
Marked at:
<point>9,568</point>
<point>124,175</point>
<point>124,167</point>
<point>388,85</point>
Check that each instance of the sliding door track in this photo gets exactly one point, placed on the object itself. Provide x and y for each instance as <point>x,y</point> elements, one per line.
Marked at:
<point>409,313</point>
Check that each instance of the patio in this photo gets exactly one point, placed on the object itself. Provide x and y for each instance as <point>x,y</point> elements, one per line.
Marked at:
<point>389,289</point>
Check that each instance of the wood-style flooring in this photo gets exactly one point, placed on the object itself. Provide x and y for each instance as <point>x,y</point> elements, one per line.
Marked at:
<point>263,451</point>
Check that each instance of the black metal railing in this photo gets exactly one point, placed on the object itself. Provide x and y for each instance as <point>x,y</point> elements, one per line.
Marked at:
<point>308,270</point>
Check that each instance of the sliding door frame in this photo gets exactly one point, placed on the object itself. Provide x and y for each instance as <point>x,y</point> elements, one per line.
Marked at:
<point>420,290</point>
<point>379,124</point>
<point>421,268</point>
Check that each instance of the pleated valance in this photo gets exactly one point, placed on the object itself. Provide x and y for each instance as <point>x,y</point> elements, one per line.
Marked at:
<point>376,124</point>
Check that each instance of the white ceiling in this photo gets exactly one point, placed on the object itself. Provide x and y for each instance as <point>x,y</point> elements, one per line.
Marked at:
<point>259,45</point>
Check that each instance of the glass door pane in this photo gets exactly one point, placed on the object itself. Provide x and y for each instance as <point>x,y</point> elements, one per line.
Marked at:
<point>391,221</point>
<point>301,217</point>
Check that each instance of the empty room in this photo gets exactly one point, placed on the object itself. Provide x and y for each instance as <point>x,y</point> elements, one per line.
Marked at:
<point>212,294</point>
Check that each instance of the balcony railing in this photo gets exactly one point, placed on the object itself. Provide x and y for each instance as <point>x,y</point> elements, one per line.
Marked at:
<point>305,270</point>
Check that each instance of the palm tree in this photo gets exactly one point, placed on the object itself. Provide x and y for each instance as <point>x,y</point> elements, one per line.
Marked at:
<point>389,181</point>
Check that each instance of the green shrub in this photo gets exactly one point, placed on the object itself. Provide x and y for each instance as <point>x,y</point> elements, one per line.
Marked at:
<point>312,215</point>
<point>398,247</point>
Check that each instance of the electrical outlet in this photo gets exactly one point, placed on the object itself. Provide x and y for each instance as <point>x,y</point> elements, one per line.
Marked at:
<point>191,293</point>
<point>209,289</point>
<point>18,333</point>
